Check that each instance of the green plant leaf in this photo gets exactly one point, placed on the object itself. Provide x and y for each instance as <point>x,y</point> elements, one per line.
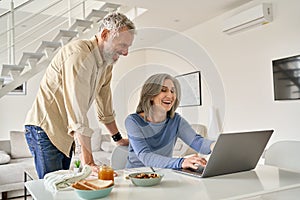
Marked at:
<point>77,163</point>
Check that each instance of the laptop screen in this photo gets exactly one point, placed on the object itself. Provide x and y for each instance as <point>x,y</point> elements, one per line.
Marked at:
<point>235,152</point>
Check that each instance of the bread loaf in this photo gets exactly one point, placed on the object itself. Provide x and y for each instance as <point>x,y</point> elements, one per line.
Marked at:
<point>92,184</point>
<point>82,186</point>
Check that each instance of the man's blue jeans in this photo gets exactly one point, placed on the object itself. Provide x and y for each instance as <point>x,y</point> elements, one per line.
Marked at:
<point>47,157</point>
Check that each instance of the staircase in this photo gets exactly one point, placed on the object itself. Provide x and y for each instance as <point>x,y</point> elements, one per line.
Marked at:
<point>32,63</point>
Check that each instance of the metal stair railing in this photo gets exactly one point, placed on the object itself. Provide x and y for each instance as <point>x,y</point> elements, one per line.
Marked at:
<point>47,23</point>
<point>32,63</point>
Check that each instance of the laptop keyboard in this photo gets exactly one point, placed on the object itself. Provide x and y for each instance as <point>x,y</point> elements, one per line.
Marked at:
<point>194,171</point>
<point>191,172</point>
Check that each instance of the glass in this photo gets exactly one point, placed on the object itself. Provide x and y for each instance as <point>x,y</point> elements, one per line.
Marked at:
<point>106,173</point>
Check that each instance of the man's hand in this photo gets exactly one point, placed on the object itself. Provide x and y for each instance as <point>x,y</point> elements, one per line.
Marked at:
<point>112,127</point>
<point>95,170</point>
<point>123,142</point>
<point>83,145</point>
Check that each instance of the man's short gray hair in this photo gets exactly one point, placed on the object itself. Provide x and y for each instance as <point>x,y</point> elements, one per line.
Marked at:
<point>115,22</point>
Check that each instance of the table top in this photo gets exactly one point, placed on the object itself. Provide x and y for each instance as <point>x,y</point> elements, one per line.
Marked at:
<point>284,194</point>
<point>264,180</point>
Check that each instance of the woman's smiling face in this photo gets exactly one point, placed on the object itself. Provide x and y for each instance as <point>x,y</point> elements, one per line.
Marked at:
<point>167,96</point>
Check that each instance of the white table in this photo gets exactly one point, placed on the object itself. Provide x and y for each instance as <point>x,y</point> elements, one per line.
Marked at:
<point>286,194</point>
<point>252,185</point>
<point>29,174</point>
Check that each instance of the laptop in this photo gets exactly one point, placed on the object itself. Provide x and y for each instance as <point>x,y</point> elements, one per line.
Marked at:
<point>233,152</point>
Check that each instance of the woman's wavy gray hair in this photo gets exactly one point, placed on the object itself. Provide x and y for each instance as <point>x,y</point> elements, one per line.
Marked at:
<point>115,22</point>
<point>151,88</point>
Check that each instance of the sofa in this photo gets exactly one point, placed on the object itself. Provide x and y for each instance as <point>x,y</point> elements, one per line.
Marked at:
<point>15,157</point>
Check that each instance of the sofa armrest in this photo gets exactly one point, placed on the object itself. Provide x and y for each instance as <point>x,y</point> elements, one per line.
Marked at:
<point>5,146</point>
<point>18,145</point>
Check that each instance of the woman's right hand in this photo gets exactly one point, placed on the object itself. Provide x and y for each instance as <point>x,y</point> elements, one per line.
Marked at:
<point>193,161</point>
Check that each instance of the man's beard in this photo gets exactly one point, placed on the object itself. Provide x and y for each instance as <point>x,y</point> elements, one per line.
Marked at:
<point>108,54</point>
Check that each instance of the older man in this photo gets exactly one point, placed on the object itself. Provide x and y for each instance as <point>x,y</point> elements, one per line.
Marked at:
<point>78,75</point>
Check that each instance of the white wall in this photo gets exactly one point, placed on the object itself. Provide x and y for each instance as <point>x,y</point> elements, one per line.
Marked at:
<point>243,62</point>
<point>13,108</point>
<point>127,87</point>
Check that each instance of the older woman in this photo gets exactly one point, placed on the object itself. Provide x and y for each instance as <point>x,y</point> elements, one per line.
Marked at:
<point>155,127</point>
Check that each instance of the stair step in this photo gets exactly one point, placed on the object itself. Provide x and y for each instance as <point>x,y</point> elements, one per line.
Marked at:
<point>100,14</point>
<point>28,55</point>
<point>110,7</point>
<point>65,34</point>
<point>9,70</point>
<point>48,44</point>
<point>81,23</point>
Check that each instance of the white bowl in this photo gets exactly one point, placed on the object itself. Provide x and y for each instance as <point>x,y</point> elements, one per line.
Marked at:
<point>144,182</point>
<point>94,194</point>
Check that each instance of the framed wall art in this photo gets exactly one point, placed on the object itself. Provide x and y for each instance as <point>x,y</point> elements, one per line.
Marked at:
<point>286,78</point>
<point>190,89</point>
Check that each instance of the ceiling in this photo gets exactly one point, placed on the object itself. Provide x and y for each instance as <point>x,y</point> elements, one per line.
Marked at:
<point>175,15</point>
<point>172,14</point>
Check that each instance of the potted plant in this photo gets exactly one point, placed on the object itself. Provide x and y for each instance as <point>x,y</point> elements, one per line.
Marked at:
<point>76,165</point>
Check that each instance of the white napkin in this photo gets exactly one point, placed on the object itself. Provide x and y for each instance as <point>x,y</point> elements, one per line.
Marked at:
<point>62,179</point>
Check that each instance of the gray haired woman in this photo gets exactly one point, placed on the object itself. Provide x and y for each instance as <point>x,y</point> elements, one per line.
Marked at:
<point>154,128</point>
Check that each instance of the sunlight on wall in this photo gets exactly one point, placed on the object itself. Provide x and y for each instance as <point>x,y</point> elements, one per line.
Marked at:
<point>157,57</point>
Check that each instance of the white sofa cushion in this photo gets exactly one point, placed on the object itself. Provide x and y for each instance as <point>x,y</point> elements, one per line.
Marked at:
<point>4,157</point>
<point>12,173</point>
<point>19,147</point>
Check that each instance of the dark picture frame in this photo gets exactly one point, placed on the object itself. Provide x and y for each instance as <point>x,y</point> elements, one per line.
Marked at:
<point>286,78</point>
<point>190,89</point>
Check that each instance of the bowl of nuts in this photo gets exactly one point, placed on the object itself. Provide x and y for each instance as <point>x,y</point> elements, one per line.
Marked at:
<point>145,179</point>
